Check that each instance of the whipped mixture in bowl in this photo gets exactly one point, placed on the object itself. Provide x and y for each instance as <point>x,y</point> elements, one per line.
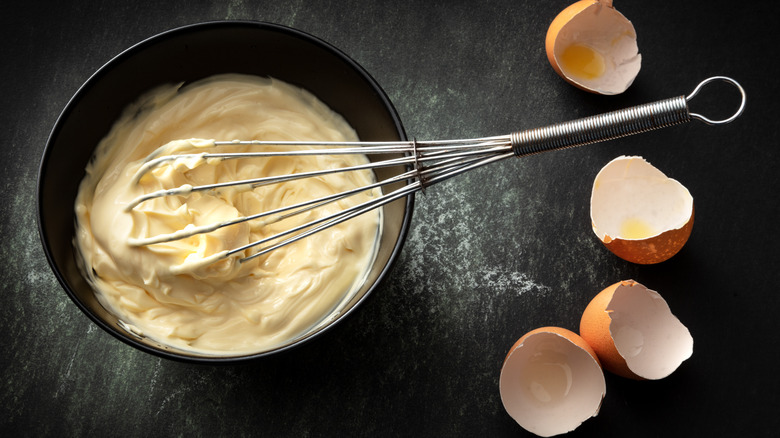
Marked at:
<point>164,291</point>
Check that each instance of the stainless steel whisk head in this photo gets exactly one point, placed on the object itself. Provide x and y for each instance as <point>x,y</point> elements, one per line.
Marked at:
<point>428,162</point>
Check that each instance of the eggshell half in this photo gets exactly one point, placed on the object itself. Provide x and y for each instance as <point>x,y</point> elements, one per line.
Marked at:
<point>634,333</point>
<point>600,28</point>
<point>551,381</point>
<point>639,213</point>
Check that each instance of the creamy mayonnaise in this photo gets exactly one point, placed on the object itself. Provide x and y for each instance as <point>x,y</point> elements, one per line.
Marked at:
<point>164,290</point>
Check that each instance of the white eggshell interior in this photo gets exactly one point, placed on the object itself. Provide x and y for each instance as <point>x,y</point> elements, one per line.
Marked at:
<point>609,33</point>
<point>628,188</point>
<point>649,337</point>
<point>550,386</point>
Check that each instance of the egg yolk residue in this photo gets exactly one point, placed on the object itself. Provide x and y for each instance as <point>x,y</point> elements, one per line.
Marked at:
<point>582,61</point>
<point>635,228</point>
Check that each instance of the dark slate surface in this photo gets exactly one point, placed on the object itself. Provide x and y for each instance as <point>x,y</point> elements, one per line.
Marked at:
<point>491,254</point>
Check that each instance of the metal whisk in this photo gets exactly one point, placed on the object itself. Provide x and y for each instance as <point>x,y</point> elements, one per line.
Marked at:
<point>428,162</point>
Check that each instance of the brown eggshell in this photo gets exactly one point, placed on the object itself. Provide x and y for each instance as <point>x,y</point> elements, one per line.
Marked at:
<point>654,249</point>
<point>594,329</point>
<point>560,20</point>
<point>565,333</point>
<point>651,342</point>
<point>595,24</point>
<point>551,381</point>
<point>630,188</point>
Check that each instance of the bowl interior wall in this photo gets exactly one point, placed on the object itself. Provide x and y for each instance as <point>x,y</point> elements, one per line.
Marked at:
<point>186,55</point>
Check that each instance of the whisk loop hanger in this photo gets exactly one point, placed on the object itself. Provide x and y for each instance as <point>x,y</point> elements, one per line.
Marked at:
<point>428,162</point>
<point>621,123</point>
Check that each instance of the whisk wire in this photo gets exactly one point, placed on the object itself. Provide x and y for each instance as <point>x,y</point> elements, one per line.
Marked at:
<point>425,162</point>
<point>421,175</point>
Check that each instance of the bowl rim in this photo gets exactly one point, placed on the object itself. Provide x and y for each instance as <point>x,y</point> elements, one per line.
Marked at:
<point>133,50</point>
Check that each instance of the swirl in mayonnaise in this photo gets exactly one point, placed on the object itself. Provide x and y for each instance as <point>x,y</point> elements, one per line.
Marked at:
<point>172,292</point>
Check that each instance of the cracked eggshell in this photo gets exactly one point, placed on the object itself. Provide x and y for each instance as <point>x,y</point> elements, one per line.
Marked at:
<point>551,381</point>
<point>593,47</point>
<point>639,213</point>
<point>634,333</point>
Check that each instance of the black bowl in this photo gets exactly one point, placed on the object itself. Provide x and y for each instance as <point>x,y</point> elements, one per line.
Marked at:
<point>188,54</point>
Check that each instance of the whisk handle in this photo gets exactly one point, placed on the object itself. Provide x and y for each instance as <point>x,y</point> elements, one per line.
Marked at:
<point>616,124</point>
<point>602,127</point>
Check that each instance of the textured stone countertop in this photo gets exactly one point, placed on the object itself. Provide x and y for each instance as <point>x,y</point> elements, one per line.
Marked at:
<point>490,255</point>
